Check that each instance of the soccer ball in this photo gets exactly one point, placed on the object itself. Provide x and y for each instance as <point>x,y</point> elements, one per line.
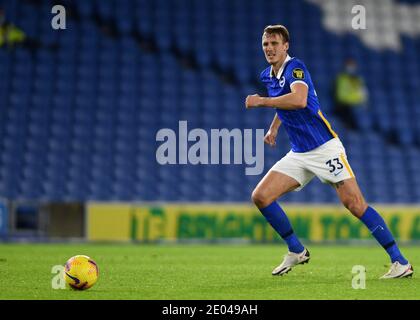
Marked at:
<point>81,272</point>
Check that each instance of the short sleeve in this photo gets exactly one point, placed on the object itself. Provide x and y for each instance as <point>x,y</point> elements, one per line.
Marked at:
<point>296,72</point>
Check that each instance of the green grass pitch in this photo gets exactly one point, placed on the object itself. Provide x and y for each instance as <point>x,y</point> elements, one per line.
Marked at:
<point>203,272</point>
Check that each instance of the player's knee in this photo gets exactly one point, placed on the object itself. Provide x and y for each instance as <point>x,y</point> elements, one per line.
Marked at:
<point>260,199</point>
<point>355,204</point>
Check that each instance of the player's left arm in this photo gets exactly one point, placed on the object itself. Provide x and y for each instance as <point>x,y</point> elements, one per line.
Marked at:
<point>296,99</point>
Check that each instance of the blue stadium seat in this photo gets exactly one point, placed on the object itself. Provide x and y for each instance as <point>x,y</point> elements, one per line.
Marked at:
<point>79,114</point>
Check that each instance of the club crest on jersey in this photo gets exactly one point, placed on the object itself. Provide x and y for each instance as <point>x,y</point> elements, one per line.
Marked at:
<point>282,82</point>
<point>298,73</point>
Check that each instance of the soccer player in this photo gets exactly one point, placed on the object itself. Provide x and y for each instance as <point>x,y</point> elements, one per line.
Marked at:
<point>316,151</point>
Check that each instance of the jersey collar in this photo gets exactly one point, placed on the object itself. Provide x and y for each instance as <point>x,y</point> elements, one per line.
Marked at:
<point>281,68</point>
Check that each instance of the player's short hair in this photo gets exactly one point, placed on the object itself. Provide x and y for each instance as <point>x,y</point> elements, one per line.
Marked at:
<point>278,29</point>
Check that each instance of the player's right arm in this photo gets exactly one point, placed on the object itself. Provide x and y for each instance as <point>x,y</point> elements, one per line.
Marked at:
<point>271,135</point>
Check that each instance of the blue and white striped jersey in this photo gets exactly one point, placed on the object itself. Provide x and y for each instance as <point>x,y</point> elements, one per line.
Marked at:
<point>307,128</point>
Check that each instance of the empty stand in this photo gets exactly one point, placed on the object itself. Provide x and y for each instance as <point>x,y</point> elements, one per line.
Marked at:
<point>78,120</point>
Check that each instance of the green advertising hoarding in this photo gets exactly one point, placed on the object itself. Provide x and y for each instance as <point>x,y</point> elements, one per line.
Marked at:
<point>154,222</point>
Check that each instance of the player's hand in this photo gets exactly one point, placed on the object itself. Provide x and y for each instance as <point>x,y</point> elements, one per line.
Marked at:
<point>253,101</point>
<point>270,137</point>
